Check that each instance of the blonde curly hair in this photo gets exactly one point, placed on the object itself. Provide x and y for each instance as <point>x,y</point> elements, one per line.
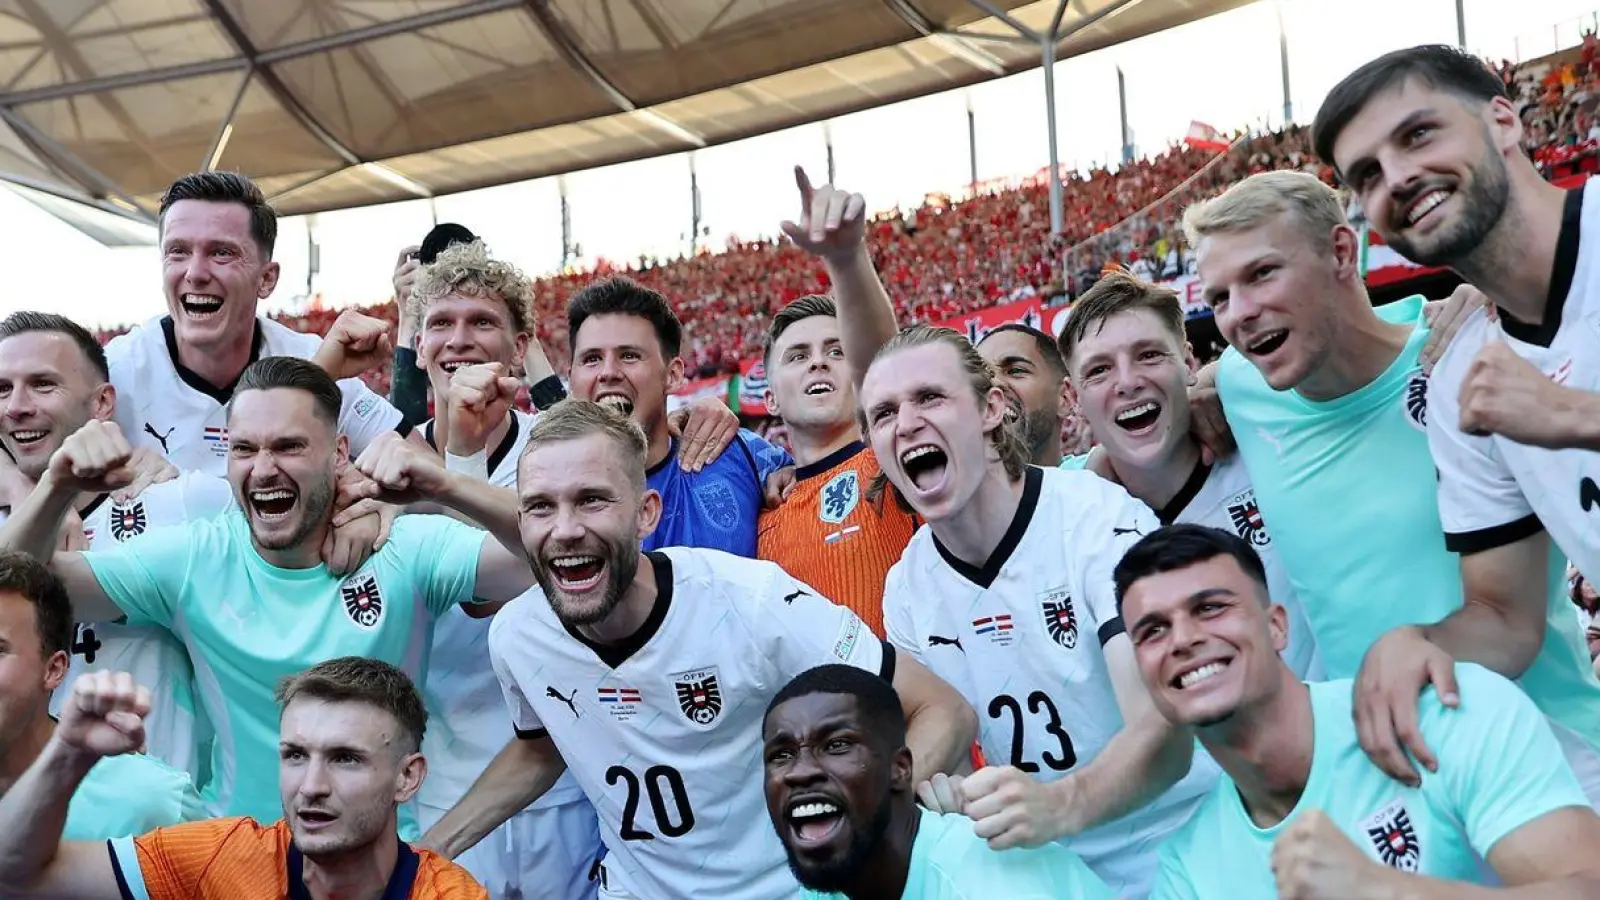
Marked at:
<point>469,270</point>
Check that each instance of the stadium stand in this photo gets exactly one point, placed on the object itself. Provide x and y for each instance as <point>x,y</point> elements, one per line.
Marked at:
<point>952,256</point>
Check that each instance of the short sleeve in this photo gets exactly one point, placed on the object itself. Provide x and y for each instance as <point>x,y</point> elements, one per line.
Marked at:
<point>1122,522</point>
<point>524,720</point>
<point>769,458</point>
<point>443,553</point>
<point>1480,504</point>
<point>898,624</point>
<point>145,576</point>
<point>169,863</point>
<point>1499,763</point>
<point>1172,879</point>
<point>364,416</point>
<point>800,629</point>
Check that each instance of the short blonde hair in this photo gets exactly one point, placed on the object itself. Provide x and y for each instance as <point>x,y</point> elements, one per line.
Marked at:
<point>1262,198</point>
<point>573,419</point>
<point>468,269</point>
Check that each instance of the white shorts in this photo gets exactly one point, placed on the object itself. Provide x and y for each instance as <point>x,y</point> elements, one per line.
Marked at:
<point>549,853</point>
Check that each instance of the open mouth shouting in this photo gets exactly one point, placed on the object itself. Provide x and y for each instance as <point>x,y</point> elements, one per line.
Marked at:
<point>620,402</point>
<point>813,821</point>
<point>577,574</point>
<point>273,504</point>
<point>820,389</point>
<point>1197,675</point>
<point>1263,345</point>
<point>1139,419</point>
<point>925,466</point>
<point>314,819</point>
<point>200,306</point>
<point>455,365</point>
<point>27,438</point>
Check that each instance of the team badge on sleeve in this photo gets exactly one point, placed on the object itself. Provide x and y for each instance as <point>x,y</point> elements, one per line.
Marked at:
<point>1394,837</point>
<point>1060,622</point>
<point>1247,521</point>
<point>699,694</point>
<point>128,520</point>
<point>1417,400</point>
<point>362,601</point>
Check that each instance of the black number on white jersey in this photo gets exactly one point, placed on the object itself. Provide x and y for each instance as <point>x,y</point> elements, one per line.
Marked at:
<point>1588,494</point>
<point>86,643</point>
<point>1038,702</point>
<point>657,782</point>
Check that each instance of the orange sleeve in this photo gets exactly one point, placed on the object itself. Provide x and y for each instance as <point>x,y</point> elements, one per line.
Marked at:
<point>441,879</point>
<point>172,861</point>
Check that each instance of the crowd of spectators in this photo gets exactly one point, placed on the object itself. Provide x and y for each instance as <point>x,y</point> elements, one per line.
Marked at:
<point>951,256</point>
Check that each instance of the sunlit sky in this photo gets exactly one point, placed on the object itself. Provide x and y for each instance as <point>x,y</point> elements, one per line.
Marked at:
<point>1223,70</point>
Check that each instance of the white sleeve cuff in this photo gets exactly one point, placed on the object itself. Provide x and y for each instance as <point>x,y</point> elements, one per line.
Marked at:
<point>475,466</point>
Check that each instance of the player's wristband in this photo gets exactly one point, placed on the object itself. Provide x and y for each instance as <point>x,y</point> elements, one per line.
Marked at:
<point>547,393</point>
<point>474,466</point>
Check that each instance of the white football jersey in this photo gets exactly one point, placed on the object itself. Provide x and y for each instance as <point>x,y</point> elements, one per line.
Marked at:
<point>1221,496</point>
<point>163,405</point>
<point>1021,639</point>
<point>467,719</point>
<point>1493,490</point>
<point>176,729</point>
<point>664,731</point>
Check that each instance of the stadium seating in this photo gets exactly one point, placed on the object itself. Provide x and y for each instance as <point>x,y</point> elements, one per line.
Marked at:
<point>951,256</point>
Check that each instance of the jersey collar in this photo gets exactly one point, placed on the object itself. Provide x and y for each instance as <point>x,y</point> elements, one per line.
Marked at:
<point>984,576</point>
<point>835,458</point>
<point>500,450</point>
<point>220,394</point>
<point>400,880</point>
<point>614,655</point>
<point>96,503</point>
<point>1186,494</point>
<point>1561,272</point>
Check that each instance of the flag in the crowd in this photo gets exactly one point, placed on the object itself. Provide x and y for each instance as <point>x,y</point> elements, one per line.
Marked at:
<point>1205,137</point>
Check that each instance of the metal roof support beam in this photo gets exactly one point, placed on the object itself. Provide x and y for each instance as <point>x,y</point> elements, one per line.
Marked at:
<point>225,130</point>
<point>1055,20</point>
<point>1106,13</point>
<point>574,55</point>
<point>86,173</point>
<point>290,51</point>
<point>279,90</point>
<point>989,7</point>
<point>952,41</point>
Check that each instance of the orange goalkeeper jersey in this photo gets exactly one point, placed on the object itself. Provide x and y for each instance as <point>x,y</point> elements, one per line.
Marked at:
<point>240,859</point>
<point>830,536</point>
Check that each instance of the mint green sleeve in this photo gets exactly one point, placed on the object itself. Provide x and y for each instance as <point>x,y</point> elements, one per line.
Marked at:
<point>145,576</point>
<point>1172,878</point>
<point>443,554</point>
<point>1074,879</point>
<point>1500,766</point>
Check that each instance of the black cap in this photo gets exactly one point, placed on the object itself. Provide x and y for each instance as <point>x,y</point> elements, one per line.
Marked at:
<point>441,237</point>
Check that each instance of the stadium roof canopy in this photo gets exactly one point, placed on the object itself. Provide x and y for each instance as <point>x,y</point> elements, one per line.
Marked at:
<point>338,103</point>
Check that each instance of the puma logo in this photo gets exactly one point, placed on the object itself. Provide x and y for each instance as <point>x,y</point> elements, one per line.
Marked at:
<point>1118,532</point>
<point>162,438</point>
<point>935,640</point>
<point>1588,494</point>
<point>791,598</point>
<point>571,703</point>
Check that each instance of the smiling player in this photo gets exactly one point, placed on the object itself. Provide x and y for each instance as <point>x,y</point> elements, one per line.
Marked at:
<point>1007,595</point>
<point>1303,813</point>
<point>840,796</point>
